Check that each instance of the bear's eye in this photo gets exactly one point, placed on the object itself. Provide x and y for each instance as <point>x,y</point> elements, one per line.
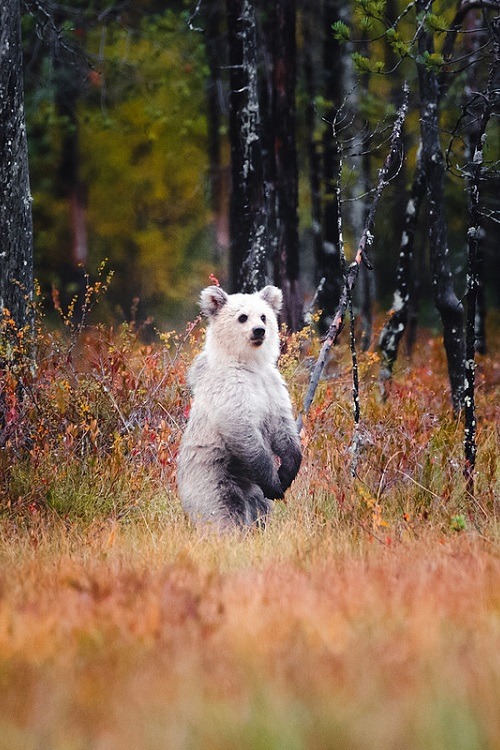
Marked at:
<point>263,318</point>
<point>243,318</point>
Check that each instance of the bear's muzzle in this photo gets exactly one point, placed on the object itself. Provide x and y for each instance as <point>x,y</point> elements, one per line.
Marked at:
<point>258,336</point>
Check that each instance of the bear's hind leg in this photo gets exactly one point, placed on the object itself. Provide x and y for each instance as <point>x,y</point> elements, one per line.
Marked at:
<point>258,506</point>
<point>245,502</point>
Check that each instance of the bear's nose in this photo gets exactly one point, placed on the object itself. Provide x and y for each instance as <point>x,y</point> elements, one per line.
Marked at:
<point>259,333</point>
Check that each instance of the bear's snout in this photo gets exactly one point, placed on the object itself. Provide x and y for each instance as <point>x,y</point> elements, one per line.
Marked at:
<point>258,335</point>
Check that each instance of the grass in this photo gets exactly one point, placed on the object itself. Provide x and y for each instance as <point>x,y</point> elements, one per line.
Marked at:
<point>152,635</point>
<point>365,616</point>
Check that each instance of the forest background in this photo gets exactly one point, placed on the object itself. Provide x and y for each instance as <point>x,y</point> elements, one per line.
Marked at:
<point>366,614</point>
<point>128,126</point>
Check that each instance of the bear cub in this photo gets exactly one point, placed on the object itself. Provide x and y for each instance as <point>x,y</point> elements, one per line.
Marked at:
<point>241,449</point>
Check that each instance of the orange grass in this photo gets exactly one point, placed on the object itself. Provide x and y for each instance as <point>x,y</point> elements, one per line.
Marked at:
<point>365,616</point>
<point>301,637</point>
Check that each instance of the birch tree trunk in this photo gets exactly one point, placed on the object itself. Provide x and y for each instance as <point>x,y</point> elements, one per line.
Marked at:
<point>351,274</point>
<point>449,306</point>
<point>474,40</point>
<point>16,227</point>
<point>248,216</point>
<point>398,317</point>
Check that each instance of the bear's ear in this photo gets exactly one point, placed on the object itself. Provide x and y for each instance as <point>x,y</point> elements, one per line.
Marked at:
<point>273,296</point>
<point>211,300</point>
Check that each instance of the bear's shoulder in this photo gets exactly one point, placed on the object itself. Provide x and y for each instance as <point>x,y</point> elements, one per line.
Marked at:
<point>197,371</point>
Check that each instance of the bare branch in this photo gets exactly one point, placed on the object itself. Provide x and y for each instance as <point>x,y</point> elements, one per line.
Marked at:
<point>362,256</point>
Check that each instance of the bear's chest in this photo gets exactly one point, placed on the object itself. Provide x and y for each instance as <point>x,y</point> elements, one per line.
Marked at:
<point>256,391</point>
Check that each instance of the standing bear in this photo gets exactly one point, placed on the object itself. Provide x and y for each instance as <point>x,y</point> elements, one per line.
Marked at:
<point>241,448</point>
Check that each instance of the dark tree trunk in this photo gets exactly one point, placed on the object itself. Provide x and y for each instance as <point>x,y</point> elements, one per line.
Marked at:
<point>473,41</point>
<point>398,316</point>
<point>16,228</point>
<point>216,56</point>
<point>474,234</point>
<point>470,328</point>
<point>69,183</point>
<point>248,216</point>
<point>313,152</point>
<point>396,324</point>
<point>285,154</point>
<point>449,306</point>
<point>330,267</point>
<point>68,85</point>
<point>267,30</point>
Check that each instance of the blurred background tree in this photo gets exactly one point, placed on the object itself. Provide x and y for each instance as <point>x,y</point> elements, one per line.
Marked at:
<point>16,228</point>
<point>118,145</point>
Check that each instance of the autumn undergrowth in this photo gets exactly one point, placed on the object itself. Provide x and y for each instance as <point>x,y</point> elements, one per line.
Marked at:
<point>365,615</point>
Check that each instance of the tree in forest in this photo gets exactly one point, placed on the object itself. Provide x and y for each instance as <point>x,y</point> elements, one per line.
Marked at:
<point>248,210</point>
<point>435,69</point>
<point>435,78</point>
<point>310,76</point>
<point>284,152</point>
<point>489,102</point>
<point>216,53</point>
<point>116,122</point>
<point>69,85</point>
<point>433,164</point>
<point>264,194</point>
<point>56,62</point>
<point>399,316</point>
<point>328,264</point>
<point>389,168</point>
<point>16,231</point>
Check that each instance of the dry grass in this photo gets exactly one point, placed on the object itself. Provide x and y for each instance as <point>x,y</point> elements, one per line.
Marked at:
<point>366,615</point>
<point>304,636</point>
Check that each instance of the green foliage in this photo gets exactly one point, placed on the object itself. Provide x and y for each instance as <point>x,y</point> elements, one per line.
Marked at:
<point>432,60</point>
<point>458,522</point>
<point>147,156</point>
<point>396,43</point>
<point>341,31</point>
<point>364,65</point>
<point>371,8</point>
<point>141,126</point>
<point>435,23</point>
<point>361,63</point>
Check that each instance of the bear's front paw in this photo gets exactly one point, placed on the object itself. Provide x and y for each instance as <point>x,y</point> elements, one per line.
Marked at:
<point>289,468</point>
<point>273,491</point>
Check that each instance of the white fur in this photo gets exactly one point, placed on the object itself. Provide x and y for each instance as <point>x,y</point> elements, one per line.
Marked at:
<point>241,426</point>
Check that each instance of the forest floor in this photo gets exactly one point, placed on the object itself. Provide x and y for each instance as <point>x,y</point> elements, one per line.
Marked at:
<point>365,616</point>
